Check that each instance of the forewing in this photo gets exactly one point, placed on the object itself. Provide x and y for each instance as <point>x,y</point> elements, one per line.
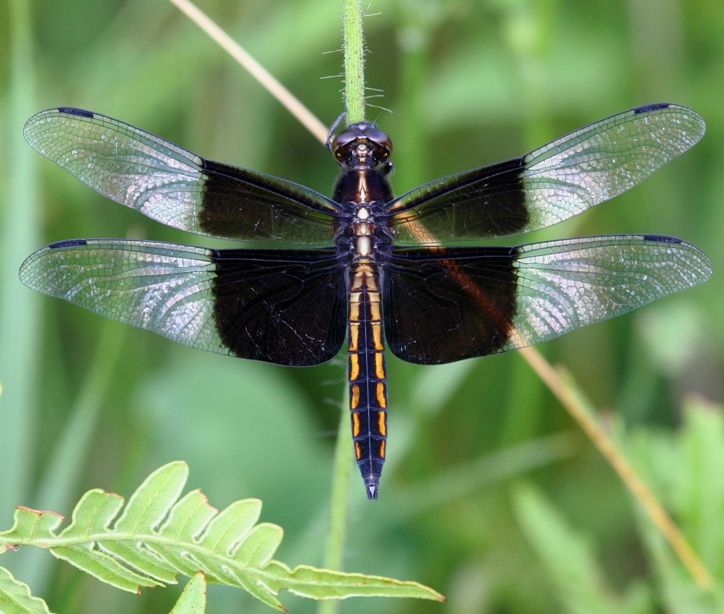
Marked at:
<point>177,187</point>
<point>284,307</point>
<point>442,305</point>
<point>550,184</point>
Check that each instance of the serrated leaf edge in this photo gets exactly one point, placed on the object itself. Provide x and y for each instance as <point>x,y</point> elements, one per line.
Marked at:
<point>7,580</point>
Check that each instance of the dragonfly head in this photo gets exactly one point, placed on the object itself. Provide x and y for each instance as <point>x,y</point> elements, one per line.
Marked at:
<point>363,146</point>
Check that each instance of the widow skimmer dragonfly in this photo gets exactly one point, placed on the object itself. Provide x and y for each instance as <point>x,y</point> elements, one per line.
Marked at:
<point>370,263</point>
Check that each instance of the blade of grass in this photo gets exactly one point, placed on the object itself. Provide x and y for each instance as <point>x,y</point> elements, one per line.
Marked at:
<point>582,412</point>
<point>19,308</point>
<point>66,463</point>
<point>484,472</point>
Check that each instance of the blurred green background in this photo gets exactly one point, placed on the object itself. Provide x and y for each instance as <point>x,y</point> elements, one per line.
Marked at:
<point>483,463</point>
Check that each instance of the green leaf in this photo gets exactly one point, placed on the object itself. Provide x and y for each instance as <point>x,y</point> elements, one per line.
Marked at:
<point>325,584</point>
<point>684,469</point>
<point>700,492</point>
<point>193,597</point>
<point>160,534</point>
<point>15,597</point>
<point>30,524</point>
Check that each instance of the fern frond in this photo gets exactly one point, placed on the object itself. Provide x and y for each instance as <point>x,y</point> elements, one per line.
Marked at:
<point>15,596</point>
<point>193,597</point>
<point>159,535</point>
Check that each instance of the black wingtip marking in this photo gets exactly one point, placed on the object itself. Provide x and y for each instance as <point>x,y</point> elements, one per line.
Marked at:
<point>74,111</point>
<point>68,243</point>
<point>647,108</point>
<point>663,239</point>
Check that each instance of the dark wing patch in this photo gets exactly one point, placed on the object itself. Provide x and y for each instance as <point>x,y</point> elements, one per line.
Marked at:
<point>446,304</point>
<point>280,306</point>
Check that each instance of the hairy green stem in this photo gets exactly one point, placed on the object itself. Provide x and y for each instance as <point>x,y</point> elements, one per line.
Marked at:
<point>354,80</point>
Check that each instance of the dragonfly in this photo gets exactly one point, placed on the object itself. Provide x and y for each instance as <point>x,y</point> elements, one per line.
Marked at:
<point>404,274</point>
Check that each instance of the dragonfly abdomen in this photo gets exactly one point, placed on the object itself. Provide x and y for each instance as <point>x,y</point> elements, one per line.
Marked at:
<point>367,375</point>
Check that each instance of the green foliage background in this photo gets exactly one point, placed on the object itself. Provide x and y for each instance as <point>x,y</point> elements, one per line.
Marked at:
<point>89,403</point>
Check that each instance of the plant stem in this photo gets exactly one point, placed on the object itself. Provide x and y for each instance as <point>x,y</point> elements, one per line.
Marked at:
<point>354,80</point>
<point>340,491</point>
<point>341,475</point>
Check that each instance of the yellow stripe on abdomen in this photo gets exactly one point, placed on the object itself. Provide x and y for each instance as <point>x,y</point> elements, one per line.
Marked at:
<point>367,374</point>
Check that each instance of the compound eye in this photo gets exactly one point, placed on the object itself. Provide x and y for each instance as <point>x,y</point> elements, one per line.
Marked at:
<point>342,140</point>
<point>381,138</point>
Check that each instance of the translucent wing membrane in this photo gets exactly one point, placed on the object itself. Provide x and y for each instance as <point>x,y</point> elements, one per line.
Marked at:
<point>441,305</point>
<point>176,187</point>
<point>281,306</point>
<point>550,184</point>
